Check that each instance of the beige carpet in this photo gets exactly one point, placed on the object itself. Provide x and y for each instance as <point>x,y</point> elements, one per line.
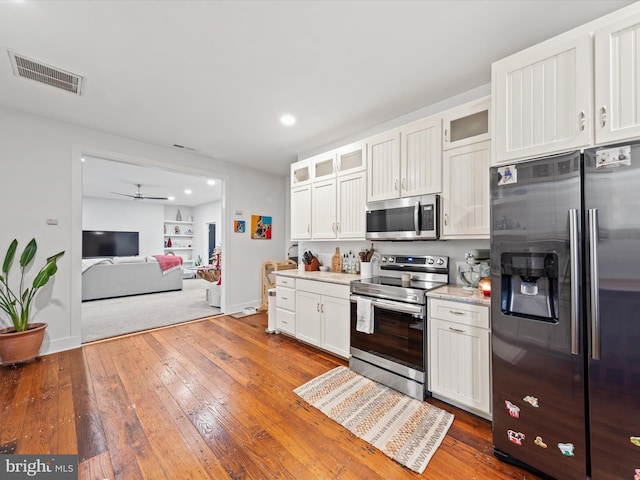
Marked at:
<point>405,429</point>
<point>118,316</point>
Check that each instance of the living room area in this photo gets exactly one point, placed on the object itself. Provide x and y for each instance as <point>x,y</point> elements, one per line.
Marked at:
<point>146,234</point>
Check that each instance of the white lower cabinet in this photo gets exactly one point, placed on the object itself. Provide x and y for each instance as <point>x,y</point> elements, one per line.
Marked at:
<point>308,328</point>
<point>286,305</point>
<point>322,315</point>
<point>460,354</point>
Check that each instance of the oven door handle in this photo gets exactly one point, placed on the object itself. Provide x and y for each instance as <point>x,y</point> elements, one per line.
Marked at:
<point>393,306</point>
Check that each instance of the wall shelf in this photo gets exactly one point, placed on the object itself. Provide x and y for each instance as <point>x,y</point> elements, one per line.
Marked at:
<point>176,222</point>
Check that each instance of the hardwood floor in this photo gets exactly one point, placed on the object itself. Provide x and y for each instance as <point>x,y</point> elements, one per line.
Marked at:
<point>207,399</point>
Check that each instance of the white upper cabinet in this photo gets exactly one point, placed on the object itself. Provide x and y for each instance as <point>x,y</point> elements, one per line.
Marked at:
<point>351,158</point>
<point>405,162</point>
<point>301,212</point>
<point>466,124</point>
<point>543,96</point>
<point>542,99</point>
<point>336,198</point>
<point>421,157</point>
<point>617,80</point>
<point>300,173</point>
<point>465,191</point>
<point>323,166</point>
<point>383,166</point>
<point>323,202</point>
<point>352,197</point>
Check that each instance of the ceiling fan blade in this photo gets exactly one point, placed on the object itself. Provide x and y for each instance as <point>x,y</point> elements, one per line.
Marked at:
<point>124,194</point>
<point>155,198</point>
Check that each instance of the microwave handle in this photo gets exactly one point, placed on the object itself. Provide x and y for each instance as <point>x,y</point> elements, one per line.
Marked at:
<point>416,218</point>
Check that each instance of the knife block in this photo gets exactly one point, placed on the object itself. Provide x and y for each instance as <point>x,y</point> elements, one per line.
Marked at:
<point>313,266</point>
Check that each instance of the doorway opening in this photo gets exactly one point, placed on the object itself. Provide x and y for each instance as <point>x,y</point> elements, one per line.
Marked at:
<point>171,222</point>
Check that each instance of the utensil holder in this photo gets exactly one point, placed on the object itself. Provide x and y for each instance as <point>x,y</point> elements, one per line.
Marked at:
<point>366,269</point>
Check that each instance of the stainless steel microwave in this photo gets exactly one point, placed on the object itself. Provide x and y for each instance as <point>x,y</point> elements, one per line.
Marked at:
<point>411,218</point>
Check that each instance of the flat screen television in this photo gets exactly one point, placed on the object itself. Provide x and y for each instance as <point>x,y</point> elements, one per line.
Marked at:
<point>101,243</point>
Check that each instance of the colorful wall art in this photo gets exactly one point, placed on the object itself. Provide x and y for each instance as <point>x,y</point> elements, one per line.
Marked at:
<point>260,227</point>
<point>238,226</point>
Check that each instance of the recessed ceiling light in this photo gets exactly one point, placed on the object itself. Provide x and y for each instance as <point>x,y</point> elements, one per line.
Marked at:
<point>171,199</point>
<point>211,182</point>
<point>188,191</point>
<point>82,159</point>
<point>287,120</point>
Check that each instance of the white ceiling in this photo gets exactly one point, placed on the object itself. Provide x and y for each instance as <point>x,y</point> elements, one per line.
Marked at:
<point>217,75</point>
<point>101,178</point>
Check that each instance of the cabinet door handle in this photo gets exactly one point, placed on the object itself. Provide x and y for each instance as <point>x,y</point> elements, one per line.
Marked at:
<point>337,227</point>
<point>446,219</point>
<point>284,298</point>
<point>404,184</point>
<point>395,185</point>
<point>322,308</point>
<point>455,312</point>
<point>308,228</point>
<point>603,116</point>
<point>333,227</point>
<point>446,134</point>
<point>318,307</point>
<point>457,330</point>
<point>582,120</point>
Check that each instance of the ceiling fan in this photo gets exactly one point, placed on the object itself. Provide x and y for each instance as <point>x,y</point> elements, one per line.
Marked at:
<point>139,196</point>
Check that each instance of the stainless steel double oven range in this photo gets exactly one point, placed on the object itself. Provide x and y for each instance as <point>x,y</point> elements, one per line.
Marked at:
<point>395,354</point>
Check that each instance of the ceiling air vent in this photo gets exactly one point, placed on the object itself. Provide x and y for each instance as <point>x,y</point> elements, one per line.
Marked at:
<point>40,72</point>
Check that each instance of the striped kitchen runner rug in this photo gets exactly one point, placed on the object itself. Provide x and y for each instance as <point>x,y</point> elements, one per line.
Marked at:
<point>405,429</point>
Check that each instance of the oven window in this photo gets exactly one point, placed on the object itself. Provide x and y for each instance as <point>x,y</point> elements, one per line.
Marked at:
<point>398,337</point>
<point>391,220</point>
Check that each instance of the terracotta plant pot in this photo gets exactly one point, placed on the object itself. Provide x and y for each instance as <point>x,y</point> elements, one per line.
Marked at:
<point>21,347</point>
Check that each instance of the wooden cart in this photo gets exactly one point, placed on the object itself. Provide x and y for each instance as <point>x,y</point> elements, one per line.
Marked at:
<point>269,277</point>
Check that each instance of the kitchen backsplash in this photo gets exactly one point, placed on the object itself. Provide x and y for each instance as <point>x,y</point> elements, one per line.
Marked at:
<point>454,249</point>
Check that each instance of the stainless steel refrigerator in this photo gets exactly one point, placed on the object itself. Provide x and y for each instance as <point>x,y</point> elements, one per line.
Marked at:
<point>565,313</point>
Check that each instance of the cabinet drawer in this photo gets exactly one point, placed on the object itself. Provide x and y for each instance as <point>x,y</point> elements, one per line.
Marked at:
<point>286,298</point>
<point>285,281</point>
<point>285,321</point>
<point>324,288</point>
<point>459,312</point>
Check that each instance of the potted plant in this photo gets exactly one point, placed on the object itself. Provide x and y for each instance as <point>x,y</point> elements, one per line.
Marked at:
<point>21,342</point>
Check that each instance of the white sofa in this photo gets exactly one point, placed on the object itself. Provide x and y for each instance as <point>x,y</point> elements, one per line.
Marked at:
<point>122,276</point>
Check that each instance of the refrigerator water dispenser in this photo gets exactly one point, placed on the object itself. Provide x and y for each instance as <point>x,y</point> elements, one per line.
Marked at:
<point>530,285</point>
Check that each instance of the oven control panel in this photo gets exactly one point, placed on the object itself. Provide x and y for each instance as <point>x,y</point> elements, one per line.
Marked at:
<point>408,260</point>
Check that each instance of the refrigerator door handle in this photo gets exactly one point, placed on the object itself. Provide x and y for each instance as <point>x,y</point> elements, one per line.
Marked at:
<point>575,280</point>
<point>592,217</point>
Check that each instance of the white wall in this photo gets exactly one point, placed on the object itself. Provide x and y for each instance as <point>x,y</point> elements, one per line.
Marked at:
<point>126,216</point>
<point>203,215</point>
<point>42,179</point>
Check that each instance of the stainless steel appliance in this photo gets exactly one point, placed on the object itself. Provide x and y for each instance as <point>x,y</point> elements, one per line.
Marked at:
<point>395,353</point>
<point>412,218</point>
<point>565,311</point>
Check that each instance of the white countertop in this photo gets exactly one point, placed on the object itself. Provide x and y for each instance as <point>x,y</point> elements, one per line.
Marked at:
<point>455,292</point>
<point>331,277</point>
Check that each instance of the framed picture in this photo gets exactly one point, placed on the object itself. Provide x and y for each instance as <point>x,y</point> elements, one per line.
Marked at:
<point>238,226</point>
<point>260,227</point>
